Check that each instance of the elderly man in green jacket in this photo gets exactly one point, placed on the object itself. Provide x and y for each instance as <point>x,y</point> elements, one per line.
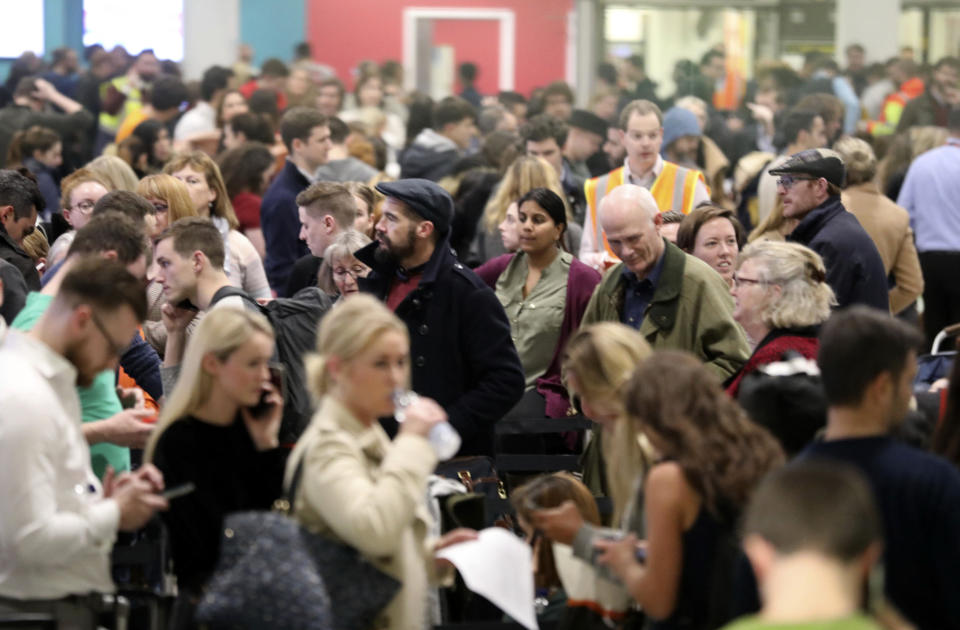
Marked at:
<point>675,300</point>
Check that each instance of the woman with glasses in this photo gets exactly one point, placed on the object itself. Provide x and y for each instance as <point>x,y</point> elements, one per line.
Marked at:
<point>781,297</point>
<point>218,431</point>
<point>170,200</point>
<point>79,193</point>
<point>340,270</point>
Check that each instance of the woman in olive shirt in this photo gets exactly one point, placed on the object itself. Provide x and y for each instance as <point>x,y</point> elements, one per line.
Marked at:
<point>544,291</point>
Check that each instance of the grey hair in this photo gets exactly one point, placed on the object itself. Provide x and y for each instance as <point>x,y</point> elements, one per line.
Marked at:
<point>345,244</point>
<point>806,298</point>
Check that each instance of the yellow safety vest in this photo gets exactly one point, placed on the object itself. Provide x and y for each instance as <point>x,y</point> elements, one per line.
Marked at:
<point>673,189</point>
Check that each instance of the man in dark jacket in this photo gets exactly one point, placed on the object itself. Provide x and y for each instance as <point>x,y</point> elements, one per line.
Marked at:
<point>434,152</point>
<point>20,202</point>
<point>934,105</point>
<point>809,185</point>
<point>306,133</point>
<point>461,353</point>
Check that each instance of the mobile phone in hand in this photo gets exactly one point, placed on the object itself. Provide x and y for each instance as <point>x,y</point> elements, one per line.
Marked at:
<point>178,491</point>
<point>262,408</point>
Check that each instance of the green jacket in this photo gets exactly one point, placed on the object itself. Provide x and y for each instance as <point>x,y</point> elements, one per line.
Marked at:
<point>691,310</point>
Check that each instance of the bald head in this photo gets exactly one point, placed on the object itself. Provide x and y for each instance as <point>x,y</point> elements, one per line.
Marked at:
<point>631,224</point>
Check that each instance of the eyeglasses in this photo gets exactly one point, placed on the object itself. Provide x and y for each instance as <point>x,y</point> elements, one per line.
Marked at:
<point>115,349</point>
<point>357,271</point>
<point>739,281</point>
<point>84,207</point>
<point>787,181</point>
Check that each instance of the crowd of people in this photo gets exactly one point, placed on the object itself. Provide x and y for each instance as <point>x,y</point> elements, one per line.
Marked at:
<point>229,288</point>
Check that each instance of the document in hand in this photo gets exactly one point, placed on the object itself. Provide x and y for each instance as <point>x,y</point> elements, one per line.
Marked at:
<point>499,566</point>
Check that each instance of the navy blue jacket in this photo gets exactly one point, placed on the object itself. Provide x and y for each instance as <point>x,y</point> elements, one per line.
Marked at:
<point>461,353</point>
<point>281,226</point>
<point>854,268</point>
<point>918,495</point>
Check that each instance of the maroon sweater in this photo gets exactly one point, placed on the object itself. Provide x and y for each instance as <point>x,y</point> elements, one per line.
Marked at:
<point>581,281</point>
<point>771,349</point>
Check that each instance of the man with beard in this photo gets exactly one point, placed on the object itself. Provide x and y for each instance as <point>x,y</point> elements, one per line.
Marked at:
<point>59,523</point>
<point>934,105</point>
<point>461,353</point>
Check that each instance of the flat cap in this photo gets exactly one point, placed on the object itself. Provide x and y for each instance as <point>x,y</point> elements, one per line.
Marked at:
<point>423,197</point>
<point>817,163</point>
<point>588,121</point>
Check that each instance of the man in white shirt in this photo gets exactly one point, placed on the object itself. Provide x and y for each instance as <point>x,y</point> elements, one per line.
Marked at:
<point>58,523</point>
<point>199,124</point>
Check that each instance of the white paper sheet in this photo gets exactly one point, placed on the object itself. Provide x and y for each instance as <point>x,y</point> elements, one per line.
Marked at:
<point>499,566</point>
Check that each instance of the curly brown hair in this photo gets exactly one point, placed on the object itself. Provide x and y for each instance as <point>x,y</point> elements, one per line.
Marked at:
<point>692,421</point>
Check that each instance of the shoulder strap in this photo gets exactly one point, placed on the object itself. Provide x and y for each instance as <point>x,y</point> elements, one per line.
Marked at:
<point>230,291</point>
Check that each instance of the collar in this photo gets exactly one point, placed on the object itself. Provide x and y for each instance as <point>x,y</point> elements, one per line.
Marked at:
<point>333,415</point>
<point>653,277</point>
<point>5,237</point>
<point>441,258</point>
<point>627,173</point>
<point>48,363</point>
<point>815,219</point>
<point>307,176</point>
<point>797,331</point>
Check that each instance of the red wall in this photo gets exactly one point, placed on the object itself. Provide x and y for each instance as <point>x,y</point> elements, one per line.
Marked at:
<point>345,33</point>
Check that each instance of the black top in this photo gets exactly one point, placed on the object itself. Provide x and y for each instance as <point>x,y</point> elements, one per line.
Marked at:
<point>230,475</point>
<point>303,274</point>
<point>919,499</point>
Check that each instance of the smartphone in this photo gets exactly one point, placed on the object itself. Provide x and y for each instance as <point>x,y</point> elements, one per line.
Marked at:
<point>187,305</point>
<point>262,408</point>
<point>178,491</point>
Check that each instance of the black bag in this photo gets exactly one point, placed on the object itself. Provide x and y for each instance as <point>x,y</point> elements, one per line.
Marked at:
<point>273,573</point>
<point>295,321</point>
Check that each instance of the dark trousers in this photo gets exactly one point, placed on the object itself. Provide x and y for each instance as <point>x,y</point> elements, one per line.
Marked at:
<point>941,291</point>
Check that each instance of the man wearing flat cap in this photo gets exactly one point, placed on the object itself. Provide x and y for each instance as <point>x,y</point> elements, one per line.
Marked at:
<point>461,353</point>
<point>809,185</point>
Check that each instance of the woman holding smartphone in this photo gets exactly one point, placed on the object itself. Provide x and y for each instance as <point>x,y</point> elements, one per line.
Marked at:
<point>356,486</point>
<point>218,431</point>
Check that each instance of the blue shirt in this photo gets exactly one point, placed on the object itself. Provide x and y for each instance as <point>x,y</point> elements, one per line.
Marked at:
<point>931,194</point>
<point>639,293</point>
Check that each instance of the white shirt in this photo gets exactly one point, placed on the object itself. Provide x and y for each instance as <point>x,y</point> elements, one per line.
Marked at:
<point>56,529</point>
<point>202,118</point>
<point>700,194</point>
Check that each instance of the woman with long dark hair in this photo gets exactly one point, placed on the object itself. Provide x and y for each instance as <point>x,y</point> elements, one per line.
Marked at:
<point>711,456</point>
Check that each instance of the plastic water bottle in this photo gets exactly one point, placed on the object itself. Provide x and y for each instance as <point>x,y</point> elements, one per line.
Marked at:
<point>442,437</point>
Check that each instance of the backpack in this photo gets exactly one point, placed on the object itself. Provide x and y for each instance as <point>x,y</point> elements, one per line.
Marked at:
<point>295,321</point>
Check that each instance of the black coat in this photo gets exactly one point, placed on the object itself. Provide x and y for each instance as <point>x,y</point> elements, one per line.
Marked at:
<point>14,254</point>
<point>855,270</point>
<point>461,353</point>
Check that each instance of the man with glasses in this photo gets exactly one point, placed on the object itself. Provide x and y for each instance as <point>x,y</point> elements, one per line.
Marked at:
<point>60,523</point>
<point>109,429</point>
<point>675,300</point>
<point>20,203</point>
<point>809,187</point>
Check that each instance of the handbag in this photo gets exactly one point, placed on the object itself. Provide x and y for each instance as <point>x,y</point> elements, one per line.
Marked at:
<point>274,573</point>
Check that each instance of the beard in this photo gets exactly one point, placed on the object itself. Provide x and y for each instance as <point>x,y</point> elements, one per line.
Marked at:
<point>388,252</point>
<point>85,371</point>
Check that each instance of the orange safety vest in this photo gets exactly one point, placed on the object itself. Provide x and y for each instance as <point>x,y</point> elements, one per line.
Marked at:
<point>674,183</point>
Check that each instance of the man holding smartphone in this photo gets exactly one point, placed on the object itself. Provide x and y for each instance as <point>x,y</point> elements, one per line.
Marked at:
<point>61,522</point>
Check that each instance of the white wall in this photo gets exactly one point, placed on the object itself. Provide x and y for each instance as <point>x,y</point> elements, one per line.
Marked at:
<point>875,24</point>
<point>211,33</point>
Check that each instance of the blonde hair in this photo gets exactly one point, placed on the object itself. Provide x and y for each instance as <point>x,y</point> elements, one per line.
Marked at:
<point>345,244</point>
<point>203,163</point>
<point>526,173</point>
<point>774,227</point>
<point>805,298</point>
<point>859,158</point>
<point>170,190</point>
<point>220,333</point>
<point>114,172</point>
<point>908,146</point>
<point>602,357</point>
<point>347,331</point>
<point>36,245</point>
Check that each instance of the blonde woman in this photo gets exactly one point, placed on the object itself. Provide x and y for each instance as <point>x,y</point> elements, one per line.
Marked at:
<point>357,486</point>
<point>781,297</point>
<point>525,174</point>
<point>115,173</point>
<point>169,198</point>
<point>208,436</point>
<point>210,199</point>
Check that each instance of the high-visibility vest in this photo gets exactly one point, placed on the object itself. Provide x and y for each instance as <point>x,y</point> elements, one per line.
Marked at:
<point>673,189</point>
